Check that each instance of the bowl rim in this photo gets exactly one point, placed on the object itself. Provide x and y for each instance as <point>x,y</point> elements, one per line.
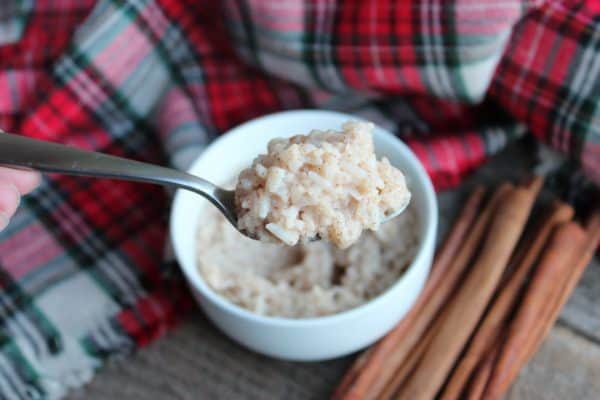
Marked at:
<point>195,279</point>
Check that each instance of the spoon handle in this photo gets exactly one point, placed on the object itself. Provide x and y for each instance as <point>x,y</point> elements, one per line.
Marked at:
<point>17,150</point>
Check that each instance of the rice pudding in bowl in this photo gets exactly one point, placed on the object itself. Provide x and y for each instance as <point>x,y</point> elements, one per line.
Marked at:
<point>344,329</point>
<point>307,280</point>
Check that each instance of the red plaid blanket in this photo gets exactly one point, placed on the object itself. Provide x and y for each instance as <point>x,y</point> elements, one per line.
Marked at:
<point>81,263</point>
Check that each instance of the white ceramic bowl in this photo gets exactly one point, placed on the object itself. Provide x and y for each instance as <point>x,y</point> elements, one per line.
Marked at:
<point>308,339</point>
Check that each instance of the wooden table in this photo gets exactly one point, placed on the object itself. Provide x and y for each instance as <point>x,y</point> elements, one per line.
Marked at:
<point>197,362</point>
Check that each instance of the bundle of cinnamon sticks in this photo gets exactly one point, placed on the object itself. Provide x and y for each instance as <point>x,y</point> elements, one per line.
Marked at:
<point>497,285</point>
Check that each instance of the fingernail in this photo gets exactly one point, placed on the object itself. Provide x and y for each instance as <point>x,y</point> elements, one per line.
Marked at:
<point>4,220</point>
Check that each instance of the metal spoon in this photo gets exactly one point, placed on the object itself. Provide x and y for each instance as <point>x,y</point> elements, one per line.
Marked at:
<point>16,150</point>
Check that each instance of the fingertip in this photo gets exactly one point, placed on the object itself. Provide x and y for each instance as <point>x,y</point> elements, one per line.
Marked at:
<point>28,182</point>
<point>10,198</point>
<point>4,220</point>
<point>25,181</point>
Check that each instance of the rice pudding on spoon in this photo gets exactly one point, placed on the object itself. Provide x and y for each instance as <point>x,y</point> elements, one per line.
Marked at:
<point>326,185</point>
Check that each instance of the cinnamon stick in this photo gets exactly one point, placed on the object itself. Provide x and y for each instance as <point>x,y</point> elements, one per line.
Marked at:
<point>537,311</point>
<point>533,183</point>
<point>369,365</point>
<point>423,315</point>
<point>478,383</point>
<point>407,366</point>
<point>466,307</point>
<point>411,329</point>
<point>582,259</point>
<point>489,329</point>
<point>352,374</point>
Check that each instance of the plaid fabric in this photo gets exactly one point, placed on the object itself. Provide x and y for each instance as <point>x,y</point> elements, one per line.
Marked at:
<point>81,271</point>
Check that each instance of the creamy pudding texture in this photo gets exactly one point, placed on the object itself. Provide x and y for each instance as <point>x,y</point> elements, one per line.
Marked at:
<point>325,184</point>
<point>306,280</point>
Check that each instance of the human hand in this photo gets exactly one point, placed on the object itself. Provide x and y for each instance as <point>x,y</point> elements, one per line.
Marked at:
<point>13,184</point>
